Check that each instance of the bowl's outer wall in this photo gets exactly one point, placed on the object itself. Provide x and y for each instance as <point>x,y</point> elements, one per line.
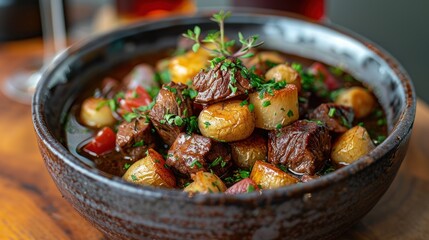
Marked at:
<point>323,214</point>
<point>123,211</point>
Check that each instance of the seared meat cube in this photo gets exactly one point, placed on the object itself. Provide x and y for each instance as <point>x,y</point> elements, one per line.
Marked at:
<point>170,104</point>
<point>303,146</point>
<point>219,84</point>
<point>193,153</point>
<point>135,137</point>
<point>338,118</point>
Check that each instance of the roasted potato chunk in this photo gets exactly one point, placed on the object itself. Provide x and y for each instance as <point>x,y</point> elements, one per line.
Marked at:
<point>151,170</point>
<point>184,67</point>
<point>269,176</point>
<point>265,56</point>
<point>226,121</point>
<point>351,145</point>
<point>283,72</point>
<point>246,152</point>
<point>277,110</point>
<point>96,113</point>
<point>205,182</point>
<point>359,99</point>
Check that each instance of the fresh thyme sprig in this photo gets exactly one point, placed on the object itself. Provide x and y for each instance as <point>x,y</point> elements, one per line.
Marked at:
<point>217,38</point>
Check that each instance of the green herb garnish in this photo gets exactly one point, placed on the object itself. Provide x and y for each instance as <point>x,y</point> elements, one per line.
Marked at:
<point>250,188</point>
<point>127,165</point>
<point>266,103</point>
<point>331,112</point>
<point>217,38</point>
<point>138,144</point>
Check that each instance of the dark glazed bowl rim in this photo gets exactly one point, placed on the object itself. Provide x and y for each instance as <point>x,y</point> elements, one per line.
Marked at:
<point>398,133</point>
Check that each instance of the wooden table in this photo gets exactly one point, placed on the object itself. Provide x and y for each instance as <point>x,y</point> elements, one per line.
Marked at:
<point>32,208</point>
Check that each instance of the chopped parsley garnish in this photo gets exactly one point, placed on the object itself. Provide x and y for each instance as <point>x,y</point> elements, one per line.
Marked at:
<point>345,122</point>
<point>337,71</point>
<point>153,91</point>
<point>127,165</point>
<point>302,99</point>
<point>207,124</point>
<point>244,102</point>
<point>379,139</point>
<point>138,144</point>
<point>216,162</point>
<point>192,125</point>
<point>283,168</point>
<point>178,121</point>
<point>381,122</point>
<point>333,95</point>
<point>196,163</point>
<point>163,76</point>
<point>190,92</point>
<point>251,107</point>
<point>130,116</point>
<point>290,113</point>
<point>237,175</point>
<point>171,89</point>
<point>266,103</point>
<point>278,126</point>
<point>133,177</point>
<point>331,112</point>
<point>311,82</point>
<point>173,119</point>
<point>250,188</point>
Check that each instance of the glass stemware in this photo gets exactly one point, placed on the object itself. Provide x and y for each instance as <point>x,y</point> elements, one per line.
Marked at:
<point>21,85</point>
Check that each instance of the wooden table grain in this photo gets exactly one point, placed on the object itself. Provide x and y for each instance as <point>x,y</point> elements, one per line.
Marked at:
<point>32,208</point>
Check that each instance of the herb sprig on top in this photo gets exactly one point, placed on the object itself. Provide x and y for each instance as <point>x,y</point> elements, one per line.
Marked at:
<point>217,38</point>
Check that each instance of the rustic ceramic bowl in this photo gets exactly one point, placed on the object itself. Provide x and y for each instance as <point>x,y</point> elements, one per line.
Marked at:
<point>319,209</point>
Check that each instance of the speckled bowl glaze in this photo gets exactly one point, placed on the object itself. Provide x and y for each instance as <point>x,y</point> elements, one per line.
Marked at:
<point>320,209</point>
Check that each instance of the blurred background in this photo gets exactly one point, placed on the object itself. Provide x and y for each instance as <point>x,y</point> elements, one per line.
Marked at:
<point>398,26</point>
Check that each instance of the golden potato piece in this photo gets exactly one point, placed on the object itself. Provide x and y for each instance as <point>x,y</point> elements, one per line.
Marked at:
<point>205,182</point>
<point>246,152</point>
<point>269,176</point>
<point>359,99</point>
<point>95,112</point>
<point>151,170</point>
<point>283,72</point>
<point>351,145</point>
<point>183,68</point>
<point>226,121</point>
<point>264,56</point>
<point>277,110</point>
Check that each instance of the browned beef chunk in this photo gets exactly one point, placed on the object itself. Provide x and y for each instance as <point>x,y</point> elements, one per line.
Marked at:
<point>303,146</point>
<point>193,153</point>
<point>170,103</point>
<point>219,84</point>
<point>135,137</point>
<point>338,118</point>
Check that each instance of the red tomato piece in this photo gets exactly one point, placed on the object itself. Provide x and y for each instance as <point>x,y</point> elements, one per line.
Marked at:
<point>103,142</point>
<point>243,186</point>
<point>134,99</point>
<point>330,81</point>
